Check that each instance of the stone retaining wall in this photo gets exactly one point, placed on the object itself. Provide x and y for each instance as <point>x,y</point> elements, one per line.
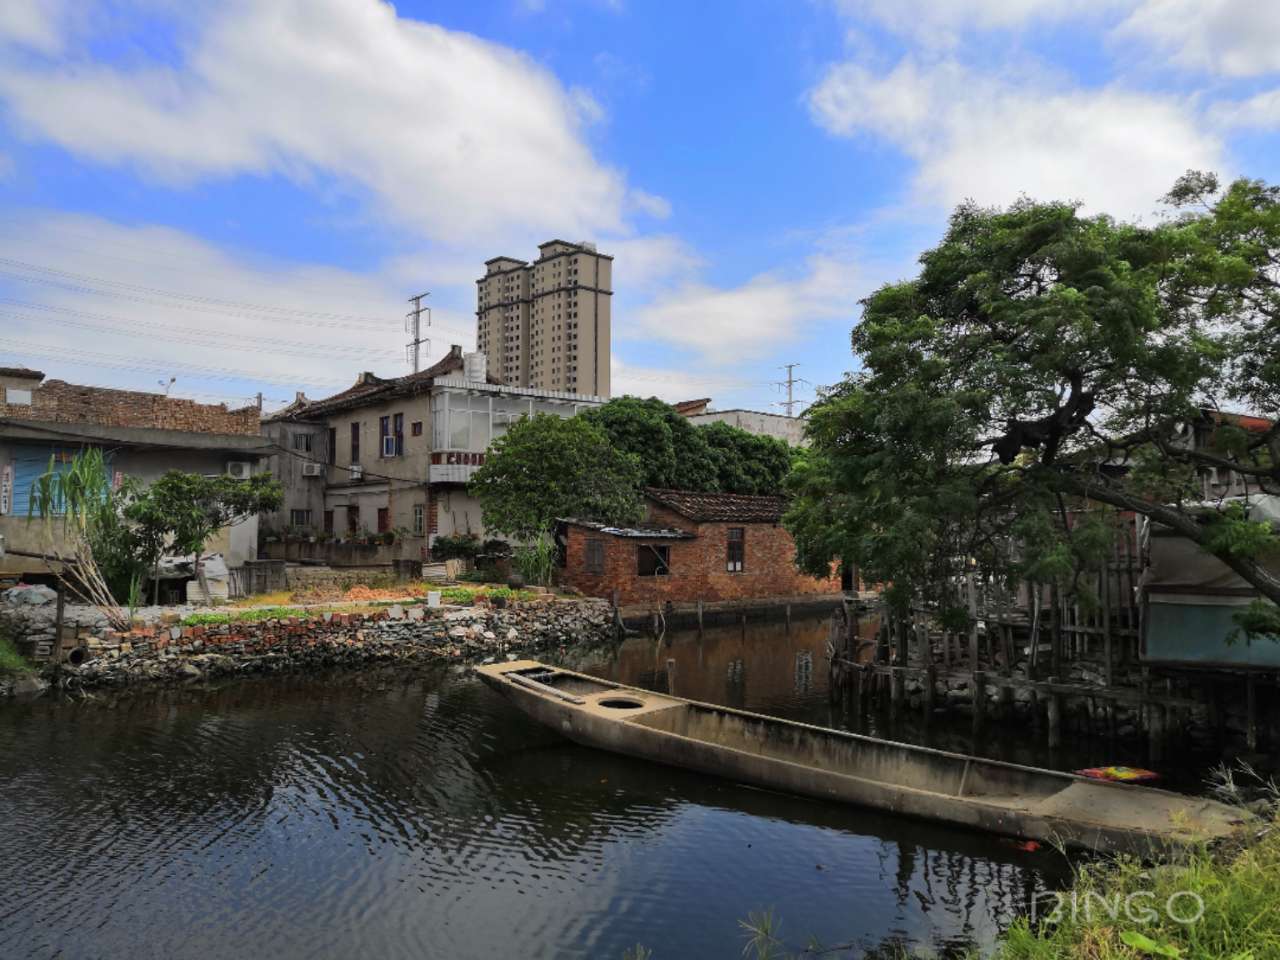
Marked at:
<point>472,634</point>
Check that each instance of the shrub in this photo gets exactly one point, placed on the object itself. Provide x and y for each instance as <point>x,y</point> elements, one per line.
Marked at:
<point>463,546</point>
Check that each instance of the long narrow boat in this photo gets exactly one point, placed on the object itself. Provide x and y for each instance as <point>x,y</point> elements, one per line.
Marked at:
<point>793,757</point>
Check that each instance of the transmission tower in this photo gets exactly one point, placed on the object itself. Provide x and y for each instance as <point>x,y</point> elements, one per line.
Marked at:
<point>790,384</point>
<point>413,325</point>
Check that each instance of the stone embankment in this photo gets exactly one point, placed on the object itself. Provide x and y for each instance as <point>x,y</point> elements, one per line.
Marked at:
<point>176,652</point>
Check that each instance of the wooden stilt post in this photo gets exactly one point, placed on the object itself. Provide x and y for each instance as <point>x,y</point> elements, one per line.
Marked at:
<point>1054,713</point>
<point>59,621</point>
<point>788,618</point>
<point>973,625</point>
<point>979,700</point>
<point>699,618</point>
<point>1251,710</point>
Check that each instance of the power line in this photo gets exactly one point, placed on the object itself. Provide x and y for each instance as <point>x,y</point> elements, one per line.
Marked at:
<point>96,286</point>
<point>208,338</point>
<point>60,352</point>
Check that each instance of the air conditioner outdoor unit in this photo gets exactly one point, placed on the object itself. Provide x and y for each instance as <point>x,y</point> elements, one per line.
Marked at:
<point>357,472</point>
<point>388,446</point>
<point>312,470</point>
<point>239,469</point>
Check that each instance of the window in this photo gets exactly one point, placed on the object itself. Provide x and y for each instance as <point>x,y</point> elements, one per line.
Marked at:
<point>333,445</point>
<point>355,443</point>
<point>328,521</point>
<point>299,518</point>
<point>419,516</point>
<point>353,519</point>
<point>652,560</point>
<point>384,519</point>
<point>415,428</point>
<point>736,555</point>
<point>302,441</point>
<point>384,431</point>
<point>397,428</point>
<point>18,397</point>
<point>595,556</point>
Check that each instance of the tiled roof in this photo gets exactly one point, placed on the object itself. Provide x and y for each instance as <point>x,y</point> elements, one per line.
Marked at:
<point>686,407</point>
<point>719,507</point>
<point>370,387</point>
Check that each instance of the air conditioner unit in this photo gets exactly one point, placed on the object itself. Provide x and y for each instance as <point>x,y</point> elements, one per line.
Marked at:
<point>312,470</point>
<point>388,446</point>
<point>240,469</point>
<point>357,472</point>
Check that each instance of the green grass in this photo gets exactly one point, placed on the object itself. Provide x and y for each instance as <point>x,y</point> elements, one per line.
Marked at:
<point>249,615</point>
<point>11,661</point>
<point>1239,890</point>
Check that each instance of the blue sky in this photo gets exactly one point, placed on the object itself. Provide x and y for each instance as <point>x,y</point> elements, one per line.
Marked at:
<point>241,194</point>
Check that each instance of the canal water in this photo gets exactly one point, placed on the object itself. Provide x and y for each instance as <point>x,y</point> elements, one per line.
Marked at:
<point>410,812</point>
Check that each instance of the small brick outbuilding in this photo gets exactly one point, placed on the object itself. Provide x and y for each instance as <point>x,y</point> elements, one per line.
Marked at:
<point>692,546</point>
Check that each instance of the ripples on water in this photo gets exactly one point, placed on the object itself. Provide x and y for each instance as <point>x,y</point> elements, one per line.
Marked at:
<point>415,814</point>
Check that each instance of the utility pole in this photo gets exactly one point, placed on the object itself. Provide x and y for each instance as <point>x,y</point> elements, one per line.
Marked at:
<point>413,325</point>
<point>790,383</point>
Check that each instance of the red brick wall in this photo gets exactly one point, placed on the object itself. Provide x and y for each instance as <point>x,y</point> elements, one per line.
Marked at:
<point>57,402</point>
<point>697,566</point>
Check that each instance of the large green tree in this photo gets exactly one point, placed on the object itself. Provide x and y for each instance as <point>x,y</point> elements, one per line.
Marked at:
<point>674,453</point>
<point>547,467</point>
<point>1043,360</point>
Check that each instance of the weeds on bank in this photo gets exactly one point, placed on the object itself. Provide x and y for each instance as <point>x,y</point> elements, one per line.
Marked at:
<point>459,596</point>
<point>11,662</point>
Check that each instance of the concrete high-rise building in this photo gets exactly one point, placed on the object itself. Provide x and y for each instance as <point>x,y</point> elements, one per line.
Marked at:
<point>546,324</point>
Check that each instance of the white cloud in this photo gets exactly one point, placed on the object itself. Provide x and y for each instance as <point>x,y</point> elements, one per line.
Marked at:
<point>647,263</point>
<point>1236,38</point>
<point>730,324</point>
<point>651,204</point>
<point>456,137</point>
<point>942,23</point>
<point>991,138</point>
<point>673,385</point>
<point>249,324</point>
<point>32,23</point>
<point>1261,111</point>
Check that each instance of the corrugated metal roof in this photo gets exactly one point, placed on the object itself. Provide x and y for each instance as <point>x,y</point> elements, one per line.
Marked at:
<point>637,533</point>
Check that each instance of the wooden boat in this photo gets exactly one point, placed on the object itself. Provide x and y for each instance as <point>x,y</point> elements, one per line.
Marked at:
<point>791,757</point>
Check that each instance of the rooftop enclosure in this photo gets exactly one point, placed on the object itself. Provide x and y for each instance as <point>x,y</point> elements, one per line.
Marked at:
<point>693,546</point>
<point>31,398</point>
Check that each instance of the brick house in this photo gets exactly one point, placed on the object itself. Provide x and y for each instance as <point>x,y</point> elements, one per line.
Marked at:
<point>692,546</point>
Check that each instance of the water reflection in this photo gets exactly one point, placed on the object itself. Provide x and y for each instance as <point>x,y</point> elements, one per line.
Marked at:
<point>412,813</point>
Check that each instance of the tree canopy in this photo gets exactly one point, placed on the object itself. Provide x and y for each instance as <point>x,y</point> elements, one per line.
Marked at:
<point>674,453</point>
<point>548,467</point>
<point>1041,361</point>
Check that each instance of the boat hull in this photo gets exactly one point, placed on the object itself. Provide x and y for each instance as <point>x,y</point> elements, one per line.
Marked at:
<point>833,765</point>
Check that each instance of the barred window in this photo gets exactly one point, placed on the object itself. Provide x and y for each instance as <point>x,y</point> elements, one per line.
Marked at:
<point>595,556</point>
<point>736,554</point>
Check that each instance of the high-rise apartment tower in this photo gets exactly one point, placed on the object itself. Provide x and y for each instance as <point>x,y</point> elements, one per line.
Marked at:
<point>546,324</point>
